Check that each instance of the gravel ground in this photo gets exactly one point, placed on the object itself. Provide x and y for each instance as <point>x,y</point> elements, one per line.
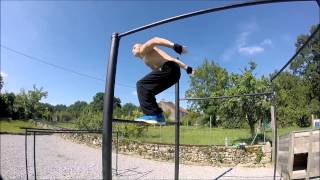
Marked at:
<point>57,158</point>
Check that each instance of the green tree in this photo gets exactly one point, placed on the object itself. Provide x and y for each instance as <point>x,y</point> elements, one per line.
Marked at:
<point>3,105</point>
<point>98,102</point>
<point>47,111</point>
<point>7,101</point>
<point>307,66</point>
<point>191,118</point>
<point>1,82</point>
<point>298,89</point>
<point>90,116</point>
<point>116,102</point>
<point>128,108</point>
<point>34,98</point>
<point>252,109</point>
<point>210,80</point>
<point>63,116</point>
<point>60,107</point>
<point>291,100</point>
<point>76,108</point>
<point>90,119</point>
<point>27,104</point>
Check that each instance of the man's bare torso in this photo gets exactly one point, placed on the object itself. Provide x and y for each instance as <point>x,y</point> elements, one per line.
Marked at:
<point>155,58</point>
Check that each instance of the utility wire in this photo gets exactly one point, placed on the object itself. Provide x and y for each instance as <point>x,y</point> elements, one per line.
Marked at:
<point>33,58</point>
<point>59,67</point>
<point>297,52</point>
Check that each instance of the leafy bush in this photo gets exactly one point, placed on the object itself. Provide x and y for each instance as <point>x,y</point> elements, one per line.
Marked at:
<point>62,116</point>
<point>131,130</point>
<point>191,118</point>
<point>89,119</point>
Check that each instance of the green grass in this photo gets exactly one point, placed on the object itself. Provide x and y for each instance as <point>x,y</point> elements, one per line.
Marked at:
<point>14,126</point>
<point>166,134</point>
<point>204,135</point>
<point>66,125</point>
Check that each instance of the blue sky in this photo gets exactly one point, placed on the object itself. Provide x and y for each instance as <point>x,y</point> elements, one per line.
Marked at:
<point>76,35</point>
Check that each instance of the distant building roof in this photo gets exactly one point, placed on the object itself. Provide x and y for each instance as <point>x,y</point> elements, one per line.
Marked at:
<point>170,107</point>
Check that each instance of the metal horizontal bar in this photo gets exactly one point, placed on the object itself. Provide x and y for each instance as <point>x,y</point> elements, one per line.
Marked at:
<point>62,131</point>
<point>40,129</point>
<point>296,54</point>
<point>225,97</point>
<point>205,11</point>
<point>33,128</point>
<point>65,132</point>
<point>129,121</point>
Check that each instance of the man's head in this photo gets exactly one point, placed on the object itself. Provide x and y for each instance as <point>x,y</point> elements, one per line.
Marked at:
<point>136,50</point>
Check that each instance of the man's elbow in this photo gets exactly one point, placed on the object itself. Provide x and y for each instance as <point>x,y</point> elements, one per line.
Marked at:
<point>156,39</point>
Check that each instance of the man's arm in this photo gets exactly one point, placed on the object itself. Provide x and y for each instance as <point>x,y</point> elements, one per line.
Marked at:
<point>180,63</point>
<point>188,69</point>
<point>150,44</point>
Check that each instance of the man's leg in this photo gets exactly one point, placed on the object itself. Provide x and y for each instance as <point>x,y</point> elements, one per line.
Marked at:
<point>153,84</point>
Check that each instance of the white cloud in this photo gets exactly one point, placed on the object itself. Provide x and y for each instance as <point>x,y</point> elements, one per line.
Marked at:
<point>4,75</point>
<point>241,45</point>
<point>242,39</point>
<point>266,42</point>
<point>250,50</point>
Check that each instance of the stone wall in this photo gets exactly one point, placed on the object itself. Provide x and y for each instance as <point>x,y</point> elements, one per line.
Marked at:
<point>249,156</point>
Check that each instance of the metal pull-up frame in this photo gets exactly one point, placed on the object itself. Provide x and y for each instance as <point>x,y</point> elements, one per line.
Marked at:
<point>110,81</point>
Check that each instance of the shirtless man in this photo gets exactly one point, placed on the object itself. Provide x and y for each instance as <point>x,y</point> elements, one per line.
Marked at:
<point>165,73</point>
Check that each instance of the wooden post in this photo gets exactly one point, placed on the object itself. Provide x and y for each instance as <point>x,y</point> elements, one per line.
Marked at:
<point>291,155</point>
<point>310,156</point>
<point>274,134</point>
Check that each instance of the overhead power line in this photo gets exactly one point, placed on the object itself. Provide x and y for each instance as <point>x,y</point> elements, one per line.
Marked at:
<point>33,58</point>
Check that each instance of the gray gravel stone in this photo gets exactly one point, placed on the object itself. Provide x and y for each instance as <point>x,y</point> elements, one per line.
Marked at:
<point>57,158</point>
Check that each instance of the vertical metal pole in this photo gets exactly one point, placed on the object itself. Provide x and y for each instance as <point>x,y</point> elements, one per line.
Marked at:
<point>177,117</point>
<point>108,109</point>
<point>117,151</point>
<point>210,130</point>
<point>274,136</point>
<point>160,133</point>
<point>34,155</point>
<point>26,152</point>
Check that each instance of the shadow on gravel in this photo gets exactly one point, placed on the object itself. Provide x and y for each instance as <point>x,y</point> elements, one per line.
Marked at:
<point>132,173</point>
<point>250,178</point>
<point>223,174</point>
<point>223,177</point>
